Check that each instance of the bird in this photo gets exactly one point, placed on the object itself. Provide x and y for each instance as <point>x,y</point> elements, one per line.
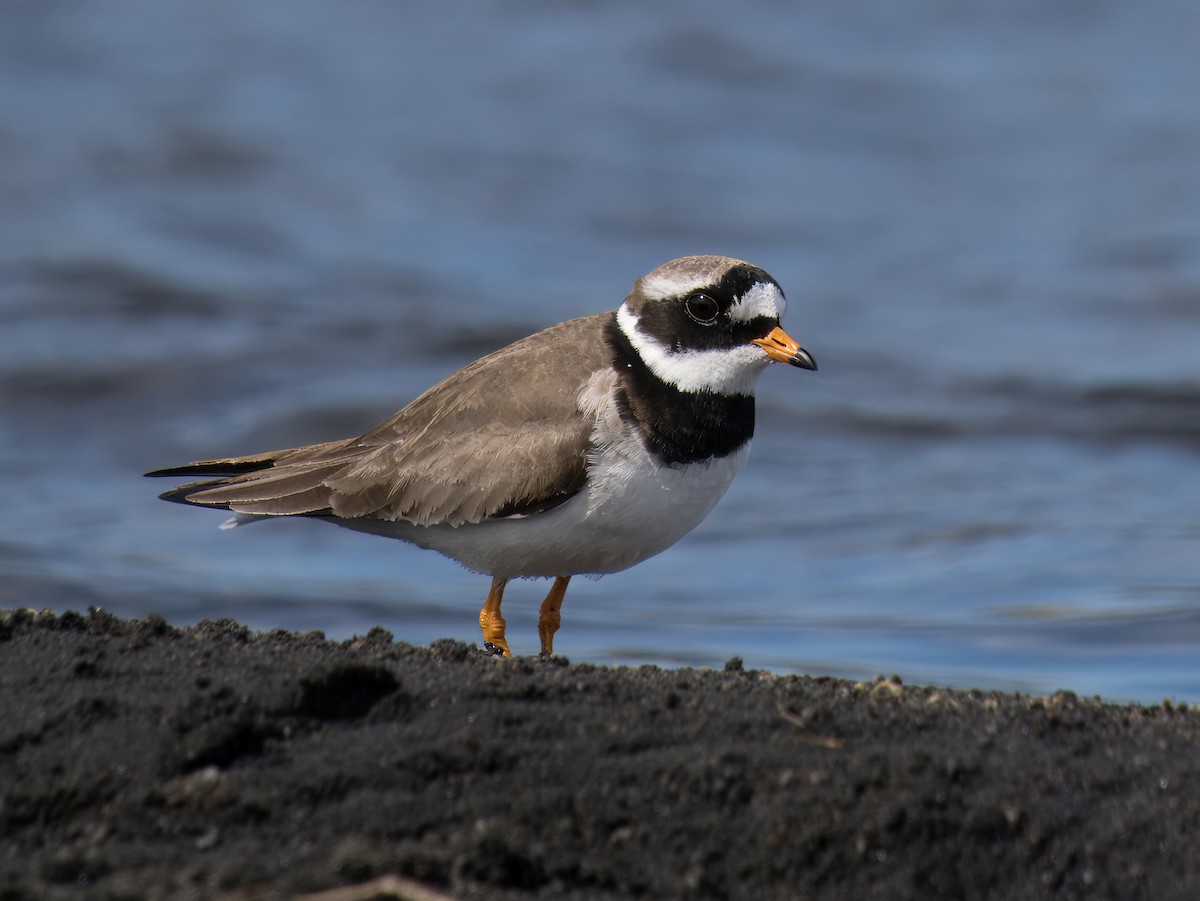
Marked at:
<point>583,449</point>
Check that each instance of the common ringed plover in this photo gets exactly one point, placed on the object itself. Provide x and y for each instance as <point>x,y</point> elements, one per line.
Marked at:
<point>585,448</point>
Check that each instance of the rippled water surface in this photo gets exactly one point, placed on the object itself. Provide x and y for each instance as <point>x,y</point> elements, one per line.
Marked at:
<point>229,227</point>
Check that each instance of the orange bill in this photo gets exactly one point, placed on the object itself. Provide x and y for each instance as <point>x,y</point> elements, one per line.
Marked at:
<point>784,349</point>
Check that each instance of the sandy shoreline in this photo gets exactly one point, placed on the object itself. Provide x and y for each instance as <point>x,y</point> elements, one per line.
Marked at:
<point>142,761</point>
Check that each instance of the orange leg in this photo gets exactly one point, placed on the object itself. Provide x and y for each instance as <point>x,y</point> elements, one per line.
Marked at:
<point>549,617</point>
<point>490,620</point>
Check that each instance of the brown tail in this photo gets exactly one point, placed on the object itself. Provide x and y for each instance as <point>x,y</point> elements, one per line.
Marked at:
<point>236,466</point>
<point>293,489</point>
<point>219,469</point>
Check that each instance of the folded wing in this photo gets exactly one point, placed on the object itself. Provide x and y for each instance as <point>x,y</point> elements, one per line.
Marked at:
<point>502,436</point>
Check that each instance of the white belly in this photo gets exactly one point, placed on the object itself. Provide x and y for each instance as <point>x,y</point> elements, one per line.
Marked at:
<point>631,509</point>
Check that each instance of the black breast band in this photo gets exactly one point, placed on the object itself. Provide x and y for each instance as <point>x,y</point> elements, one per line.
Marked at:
<point>677,426</point>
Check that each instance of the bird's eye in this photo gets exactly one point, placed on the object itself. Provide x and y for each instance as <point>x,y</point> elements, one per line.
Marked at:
<point>702,308</point>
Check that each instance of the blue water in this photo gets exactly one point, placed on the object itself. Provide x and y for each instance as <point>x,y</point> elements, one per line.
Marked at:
<point>229,227</point>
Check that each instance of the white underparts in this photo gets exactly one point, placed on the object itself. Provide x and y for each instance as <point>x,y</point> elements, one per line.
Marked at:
<point>632,507</point>
<point>728,371</point>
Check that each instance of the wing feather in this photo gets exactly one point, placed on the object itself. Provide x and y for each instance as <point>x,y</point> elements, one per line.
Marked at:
<point>503,435</point>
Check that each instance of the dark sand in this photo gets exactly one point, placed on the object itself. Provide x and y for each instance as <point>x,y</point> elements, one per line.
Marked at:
<point>142,761</point>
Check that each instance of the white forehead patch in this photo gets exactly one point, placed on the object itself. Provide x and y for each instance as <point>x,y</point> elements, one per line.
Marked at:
<point>730,371</point>
<point>764,299</point>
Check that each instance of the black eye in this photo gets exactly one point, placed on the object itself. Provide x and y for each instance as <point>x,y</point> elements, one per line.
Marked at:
<point>702,308</point>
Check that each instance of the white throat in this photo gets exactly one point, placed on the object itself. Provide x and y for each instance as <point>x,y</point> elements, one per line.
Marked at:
<point>730,371</point>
